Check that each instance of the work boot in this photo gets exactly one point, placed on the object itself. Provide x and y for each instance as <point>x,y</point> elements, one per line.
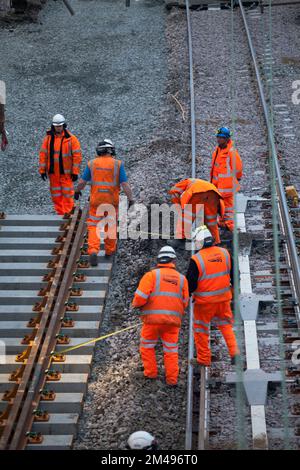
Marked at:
<point>195,363</point>
<point>235,359</point>
<point>171,385</point>
<point>93,259</point>
<point>176,243</point>
<point>108,255</point>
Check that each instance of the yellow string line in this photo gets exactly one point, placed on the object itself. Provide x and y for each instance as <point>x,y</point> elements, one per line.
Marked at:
<point>93,340</point>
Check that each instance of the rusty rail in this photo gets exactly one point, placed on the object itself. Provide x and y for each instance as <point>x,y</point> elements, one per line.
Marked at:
<point>27,398</point>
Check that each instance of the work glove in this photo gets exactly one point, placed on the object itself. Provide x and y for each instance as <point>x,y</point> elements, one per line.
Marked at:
<point>77,195</point>
<point>44,176</point>
<point>74,177</point>
<point>4,141</point>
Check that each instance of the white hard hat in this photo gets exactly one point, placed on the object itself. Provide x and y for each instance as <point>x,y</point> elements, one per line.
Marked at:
<point>58,120</point>
<point>105,146</point>
<point>166,253</point>
<point>141,440</point>
<point>202,237</point>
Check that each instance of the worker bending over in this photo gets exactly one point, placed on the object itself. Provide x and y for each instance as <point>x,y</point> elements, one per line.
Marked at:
<point>60,158</point>
<point>162,296</point>
<point>196,192</point>
<point>107,175</point>
<point>226,172</point>
<point>209,279</point>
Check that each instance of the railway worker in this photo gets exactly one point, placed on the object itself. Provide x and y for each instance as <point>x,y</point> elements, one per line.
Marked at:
<point>209,278</point>
<point>107,175</point>
<point>162,296</point>
<point>60,158</point>
<point>194,192</point>
<point>226,172</point>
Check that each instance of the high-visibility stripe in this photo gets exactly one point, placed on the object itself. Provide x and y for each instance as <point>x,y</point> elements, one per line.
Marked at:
<point>211,224</point>
<point>201,261</point>
<point>76,164</point>
<point>203,323</point>
<point>200,330</point>
<point>55,195</point>
<point>55,188</point>
<point>227,190</point>
<point>175,350</point>
<point>147,346</point>
<point>158,293</point>
<point>211,293</point>
<point>43,151</point>
<point>42,164</point>
<point>66,155</point>
<point>76,151</point>
<point>210,217</point>
<point>161,312</point>
<point>103,191</point>
<point>68,195</point>
<point>141,294</point>
<point>67,188</point>
<point>67,171</point>
<point>95,217</point>
<point>149,340</point>
<point>169,345</point>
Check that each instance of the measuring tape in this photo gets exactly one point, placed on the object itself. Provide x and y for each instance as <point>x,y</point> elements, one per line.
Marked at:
<point>95,340</point>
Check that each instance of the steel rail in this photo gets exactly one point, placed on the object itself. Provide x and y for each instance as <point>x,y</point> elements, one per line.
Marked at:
<point>282,202</point>
<point>189,410</point>
<point>202,425</point>
<point>28,383</point>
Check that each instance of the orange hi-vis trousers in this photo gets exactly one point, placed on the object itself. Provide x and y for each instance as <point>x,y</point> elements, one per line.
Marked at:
<point>221,314</point>
<point>228,219</point>
<point>210,200</point>
<point>150,335</point>
<point>62,193</point>
<point>110,243</point>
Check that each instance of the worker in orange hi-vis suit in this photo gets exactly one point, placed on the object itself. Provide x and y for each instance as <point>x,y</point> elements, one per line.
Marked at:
<point>162,296</point>
<point>189,194</point>
<point>226,172</point>
<point>106,175</point>
<point>209,277</point>
<point>60,158</point>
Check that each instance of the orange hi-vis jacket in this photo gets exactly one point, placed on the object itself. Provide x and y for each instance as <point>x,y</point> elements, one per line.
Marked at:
<point>214,275</point>
<point>105,180</point>
<point>183,191</point>
<point>162,296</point>
<point>63,153</point>
<point>226,169</point>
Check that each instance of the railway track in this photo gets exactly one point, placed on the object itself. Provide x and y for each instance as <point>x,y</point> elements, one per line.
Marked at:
<point>50,299</point>
<point>267,312</point>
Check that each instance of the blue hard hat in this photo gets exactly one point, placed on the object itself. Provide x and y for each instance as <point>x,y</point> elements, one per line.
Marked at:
<point>223,132</point>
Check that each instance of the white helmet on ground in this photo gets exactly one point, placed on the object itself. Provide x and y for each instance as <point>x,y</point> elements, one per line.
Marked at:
<point>166,253</point>
<point>140,440</point>
<point>58,120</point>
<point>202,237</point>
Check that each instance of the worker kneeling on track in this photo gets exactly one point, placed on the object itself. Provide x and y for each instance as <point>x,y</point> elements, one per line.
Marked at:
<point>190,194</point>
<point>60,158</point>
<point>162,296</point>
<point>107,175</point>
<point>209,279</point>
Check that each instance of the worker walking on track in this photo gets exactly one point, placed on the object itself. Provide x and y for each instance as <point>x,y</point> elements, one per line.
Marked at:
<point>107,175</point>
<point>162,296</point>
<point>60,158</point>
<point>195,192</point>
<point>226,172</point>
<point>209,278</point>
